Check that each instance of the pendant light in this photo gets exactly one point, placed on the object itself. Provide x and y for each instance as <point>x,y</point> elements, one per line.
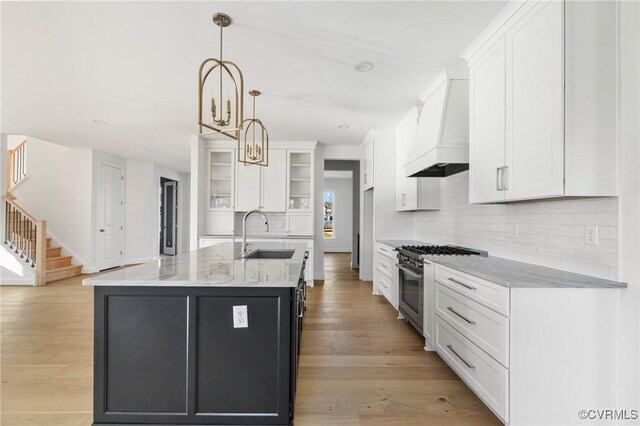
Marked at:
<point>254,143</point>
<point>224,118</point>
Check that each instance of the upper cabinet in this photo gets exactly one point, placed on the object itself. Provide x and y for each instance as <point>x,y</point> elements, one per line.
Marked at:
<point>220,177</point>
<point>264,188</point>
<point>300,180</point>
<point>412,193</point>
<point>366,163</point>
<point>542,103</point>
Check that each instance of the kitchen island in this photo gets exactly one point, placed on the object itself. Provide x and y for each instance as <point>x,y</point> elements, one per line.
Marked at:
<point>205,337</point>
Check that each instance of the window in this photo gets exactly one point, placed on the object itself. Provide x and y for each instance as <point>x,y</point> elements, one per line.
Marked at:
<point>329,224</point>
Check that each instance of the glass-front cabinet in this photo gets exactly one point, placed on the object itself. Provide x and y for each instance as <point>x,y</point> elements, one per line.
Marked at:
<point>221,179</point>
<point>300,180</point>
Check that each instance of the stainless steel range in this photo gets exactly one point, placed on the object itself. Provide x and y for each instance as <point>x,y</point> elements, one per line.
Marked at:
<point>411,267</point>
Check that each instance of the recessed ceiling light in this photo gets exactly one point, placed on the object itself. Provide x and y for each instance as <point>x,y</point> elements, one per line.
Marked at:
<point>365,66</point>
<point>343,126</point>
<point>101,122</point>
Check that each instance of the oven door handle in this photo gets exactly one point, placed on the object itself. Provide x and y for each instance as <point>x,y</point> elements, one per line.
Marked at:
<point>409,271</point>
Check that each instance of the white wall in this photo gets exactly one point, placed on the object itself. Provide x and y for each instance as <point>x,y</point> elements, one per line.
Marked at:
<point>58,189</point>
<point>629,207</point>
<point>141,198</point>
<point>551,233</point>
<point>342,189</point>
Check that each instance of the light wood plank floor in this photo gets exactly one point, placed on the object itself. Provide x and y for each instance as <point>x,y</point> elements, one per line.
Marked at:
<point>359,364</point>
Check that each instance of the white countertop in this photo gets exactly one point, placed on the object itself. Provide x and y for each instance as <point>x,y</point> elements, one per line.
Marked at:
<point>220,265</point>
<point>260,237</point>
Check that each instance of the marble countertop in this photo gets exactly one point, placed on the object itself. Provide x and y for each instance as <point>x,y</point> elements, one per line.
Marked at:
<point>220,265</point>
<point>513,274</point>
<point>261,237</point>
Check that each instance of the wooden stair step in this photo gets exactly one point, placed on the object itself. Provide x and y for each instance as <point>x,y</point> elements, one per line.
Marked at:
<point>53,252</point>
<point>62,272</point>
<point>48,242</point>
<point>58,261</point>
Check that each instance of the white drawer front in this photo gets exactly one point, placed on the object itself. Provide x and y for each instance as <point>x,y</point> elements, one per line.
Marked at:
<point>386,265</point>
<point>484,375</point>
<point>484,292</point>
<point>386,287</point>
<point>484,327</point>
<point>385,249</point>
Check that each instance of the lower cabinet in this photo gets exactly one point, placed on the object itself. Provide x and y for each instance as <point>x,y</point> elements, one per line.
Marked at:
<point>385,280</point>
<point>173,356</point>
<point>428,322</point>
<point>532,355</point>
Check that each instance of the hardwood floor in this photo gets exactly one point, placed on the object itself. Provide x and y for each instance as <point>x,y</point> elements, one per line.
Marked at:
<point>359,364</point>
<point>362,366</point>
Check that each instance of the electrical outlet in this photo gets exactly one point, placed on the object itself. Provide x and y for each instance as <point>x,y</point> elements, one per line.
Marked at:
<point>240,318</point>
<point>591,235</point>
<point>512,231</point>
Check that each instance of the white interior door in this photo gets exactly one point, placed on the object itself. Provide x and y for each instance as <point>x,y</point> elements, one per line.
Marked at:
<point>170,216</point>
<point>110,207</point>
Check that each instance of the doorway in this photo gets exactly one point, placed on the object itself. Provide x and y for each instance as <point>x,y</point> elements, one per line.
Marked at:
<point>338,211</point>
<point>168,219</point>
<point>109,216</point>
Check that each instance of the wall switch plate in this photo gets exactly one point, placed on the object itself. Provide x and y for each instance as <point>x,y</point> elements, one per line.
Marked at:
<point>512,231</point>
<point>591,235</point>
<point>240,318</point>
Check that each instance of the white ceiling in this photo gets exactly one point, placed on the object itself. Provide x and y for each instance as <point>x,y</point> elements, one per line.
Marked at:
<point>134,65</point>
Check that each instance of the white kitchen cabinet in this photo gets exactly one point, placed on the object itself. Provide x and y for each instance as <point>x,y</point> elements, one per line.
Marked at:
<point>300,172</point>
<point>366,164</point>
<point>299,223</point>
<point>259,187</point>
<point>412,193</point>
<point>273,182</point>
<point>220,179</point>
<point>385,280</point>
<point>429,294</point>
<point>487,125</point>
<point>543,103</point>
<point>520,349</point>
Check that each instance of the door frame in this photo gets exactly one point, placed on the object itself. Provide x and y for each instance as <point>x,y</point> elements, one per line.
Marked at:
<point>164,182</point>
<point>99,265</point>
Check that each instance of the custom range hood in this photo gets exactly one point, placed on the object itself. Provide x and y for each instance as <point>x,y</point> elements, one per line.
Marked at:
<point>440,145</point>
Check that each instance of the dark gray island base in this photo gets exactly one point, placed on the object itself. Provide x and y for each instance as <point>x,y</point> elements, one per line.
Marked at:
<point>171,354</point>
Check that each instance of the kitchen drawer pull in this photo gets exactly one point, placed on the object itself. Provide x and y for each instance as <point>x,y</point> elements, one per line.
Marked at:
<point>498,178</point>
<point>449,308</point>
<point>453,280</point>
<point>384,266</point>
<point>469,366</point>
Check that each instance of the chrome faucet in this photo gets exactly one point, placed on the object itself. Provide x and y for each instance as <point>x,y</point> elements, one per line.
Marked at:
<point>244,229</point>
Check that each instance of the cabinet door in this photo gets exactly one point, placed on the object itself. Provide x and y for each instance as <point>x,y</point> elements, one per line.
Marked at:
<point>406,188</point>
<point>487,125</point>
<point>220,179</point>
<point>368,165</point>
<point>300,223</point>
<point>300,180</point>
<point>247,186</point>
<point>535,104</point>
<point>274,182</point>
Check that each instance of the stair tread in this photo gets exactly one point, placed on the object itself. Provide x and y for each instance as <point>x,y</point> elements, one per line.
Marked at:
<point>59,257</point>
<point>63,268</point>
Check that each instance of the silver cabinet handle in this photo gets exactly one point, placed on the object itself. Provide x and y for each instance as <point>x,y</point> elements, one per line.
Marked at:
<point>384,266</point>
<point>498,178</point>
<point>453,280</point>
<point>505,181</point>
<point>449,308</point>
<point>469,366</point>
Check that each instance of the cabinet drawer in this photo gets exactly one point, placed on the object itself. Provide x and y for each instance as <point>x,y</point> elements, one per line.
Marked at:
<point>484,375</point>
<point>386,250</point>
<point>484,327</point>
<point>484,292</point>
<point>386,265</point>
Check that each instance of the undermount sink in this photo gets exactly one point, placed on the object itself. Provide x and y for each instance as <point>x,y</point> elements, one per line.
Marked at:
<point>270,254</point>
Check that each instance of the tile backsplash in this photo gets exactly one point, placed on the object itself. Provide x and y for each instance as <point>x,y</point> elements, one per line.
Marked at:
<point>255,224</point>
<point>550,233</point>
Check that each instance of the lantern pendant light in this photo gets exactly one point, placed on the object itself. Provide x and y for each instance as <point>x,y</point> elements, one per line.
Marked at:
<point>253,147</point>
<point>225,118</point>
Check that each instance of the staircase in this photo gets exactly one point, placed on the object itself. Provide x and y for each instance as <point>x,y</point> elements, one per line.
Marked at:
<point>58,266</point>
<point>26,237</point>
